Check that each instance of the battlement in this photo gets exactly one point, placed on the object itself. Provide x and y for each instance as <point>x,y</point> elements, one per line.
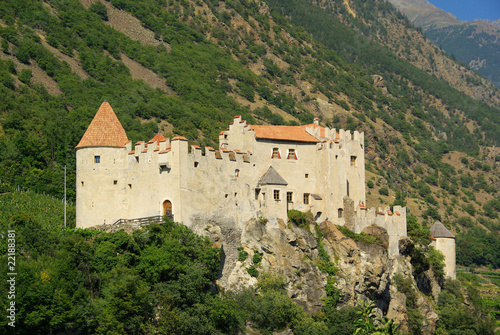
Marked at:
<point>256,170</point>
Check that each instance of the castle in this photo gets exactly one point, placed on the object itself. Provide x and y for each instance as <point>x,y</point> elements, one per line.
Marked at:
<point>257,171</point>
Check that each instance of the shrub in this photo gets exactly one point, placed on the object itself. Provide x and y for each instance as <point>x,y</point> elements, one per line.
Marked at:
<point>301,219</point>
<point>252,271</point>
<point>100,9</point>
<point>242,254</point>
<point>257,257</point>
<point>25,76</point>
<point>383,191</point>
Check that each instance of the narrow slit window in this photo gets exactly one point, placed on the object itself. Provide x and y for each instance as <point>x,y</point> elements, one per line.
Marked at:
<point>353,160</point>
<point>341,213</point>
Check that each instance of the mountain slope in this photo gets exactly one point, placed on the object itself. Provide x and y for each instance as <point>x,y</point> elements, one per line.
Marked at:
<point>475,43</point>
<point>188,67</point>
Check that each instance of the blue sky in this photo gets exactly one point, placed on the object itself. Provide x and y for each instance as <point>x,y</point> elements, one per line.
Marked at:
<point>468,10</point>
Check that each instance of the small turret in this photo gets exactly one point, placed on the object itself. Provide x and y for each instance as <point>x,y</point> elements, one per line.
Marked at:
<point>444,241</point>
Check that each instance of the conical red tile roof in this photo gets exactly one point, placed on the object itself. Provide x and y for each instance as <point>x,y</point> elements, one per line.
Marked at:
<point>105,130</point>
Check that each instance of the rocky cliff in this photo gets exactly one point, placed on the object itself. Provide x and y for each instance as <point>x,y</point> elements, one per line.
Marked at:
<point>365,271</point>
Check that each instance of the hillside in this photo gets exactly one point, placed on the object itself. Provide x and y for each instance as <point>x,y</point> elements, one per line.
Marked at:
<point>474,43</point>
<point>187,68</point>
<point>432,130</point>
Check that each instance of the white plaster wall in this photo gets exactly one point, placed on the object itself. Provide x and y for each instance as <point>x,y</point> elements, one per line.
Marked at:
<point>447,247</point>
<point>98,199</point>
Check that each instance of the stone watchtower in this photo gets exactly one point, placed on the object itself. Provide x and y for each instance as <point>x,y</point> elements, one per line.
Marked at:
<point>101,170</point>
<point>444,241</point>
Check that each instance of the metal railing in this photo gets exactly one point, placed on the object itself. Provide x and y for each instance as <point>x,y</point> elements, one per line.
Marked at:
<point>144,220</point>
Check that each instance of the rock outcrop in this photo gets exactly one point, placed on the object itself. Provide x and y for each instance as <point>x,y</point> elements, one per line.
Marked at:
<point>365,271</point>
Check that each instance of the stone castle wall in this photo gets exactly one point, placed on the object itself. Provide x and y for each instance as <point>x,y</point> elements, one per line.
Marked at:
<point>196,182</point>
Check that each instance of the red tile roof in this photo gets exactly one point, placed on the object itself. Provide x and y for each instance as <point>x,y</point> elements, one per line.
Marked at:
<point>158,138</point>
<point>105,130</point>
<point>283,133</point>
<point>181,138</point>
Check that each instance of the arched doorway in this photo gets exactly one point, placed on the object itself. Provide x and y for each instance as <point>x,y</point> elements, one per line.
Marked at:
<point>167,208</point>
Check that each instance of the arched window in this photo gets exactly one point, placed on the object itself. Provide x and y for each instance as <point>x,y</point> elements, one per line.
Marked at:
<point>341,213</point>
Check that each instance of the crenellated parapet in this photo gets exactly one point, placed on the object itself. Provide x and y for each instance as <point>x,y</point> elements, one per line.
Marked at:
<point>393,221</point>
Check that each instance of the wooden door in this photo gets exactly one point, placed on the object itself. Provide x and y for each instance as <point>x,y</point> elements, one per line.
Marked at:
<point>167,207</point>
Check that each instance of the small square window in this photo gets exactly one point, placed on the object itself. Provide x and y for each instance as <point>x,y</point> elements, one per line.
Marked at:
<point>276,194</point>
<point>97,159</point>
<point>307,175</point>
<point>115,182</point>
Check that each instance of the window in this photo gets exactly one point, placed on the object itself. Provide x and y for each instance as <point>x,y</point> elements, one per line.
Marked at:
<point>276,194</point>
<point>289,196</point>
<point>306,198</point>
<point>130,186</point>
<point>292,154</point>
<point>236,173</point>
<point>341,212</point>
<point>196,164</point>
<point>276,153</point>
<point>137,159</point>
<point>353,160</point>
<point>257,192</point>
<point>97,159</point>
<point>307,175</point>
<point>83,184</point>
<point>225,136</point>
<point>115,182</point>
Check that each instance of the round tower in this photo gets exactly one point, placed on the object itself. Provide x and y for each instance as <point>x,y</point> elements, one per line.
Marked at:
<point>101,170</point>
<point>444,241</point>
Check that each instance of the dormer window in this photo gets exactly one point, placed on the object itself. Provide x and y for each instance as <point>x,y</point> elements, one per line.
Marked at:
<point>291,154</point>
<point>97,159</point>
<point>276,153</point>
